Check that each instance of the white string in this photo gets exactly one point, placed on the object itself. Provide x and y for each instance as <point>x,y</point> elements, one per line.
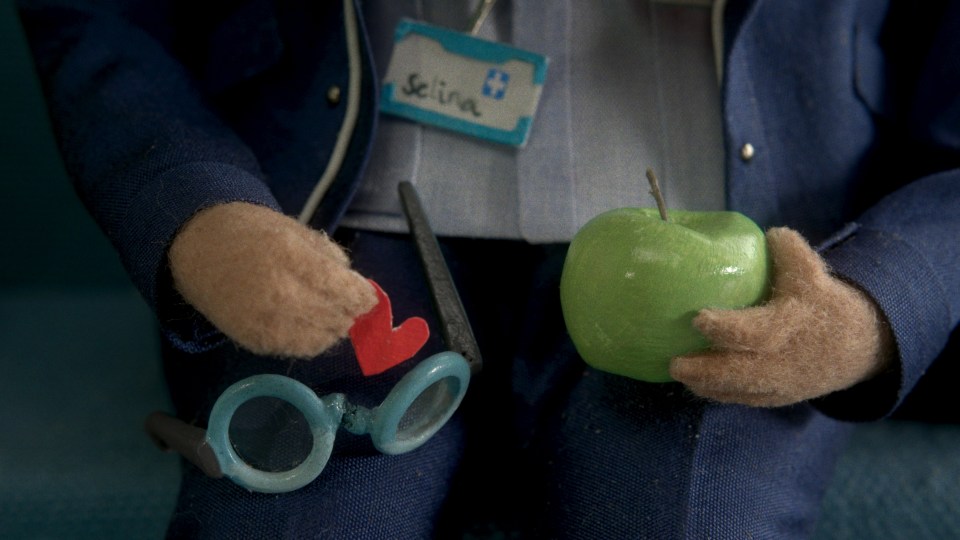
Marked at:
<point>484,9</point>
<point>716,24</point>
<point>717,31</point>
<point>350,118</point>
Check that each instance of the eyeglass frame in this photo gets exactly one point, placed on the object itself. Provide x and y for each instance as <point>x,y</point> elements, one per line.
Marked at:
<point>214,452</point>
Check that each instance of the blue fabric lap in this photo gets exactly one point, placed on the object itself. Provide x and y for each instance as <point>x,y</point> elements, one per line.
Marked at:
<point>630,458</point>
<point>360,493</point>
<point>636,460</point>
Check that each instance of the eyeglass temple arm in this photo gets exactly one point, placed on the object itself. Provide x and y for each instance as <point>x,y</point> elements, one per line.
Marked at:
<point>173,434</point>
<point>455,326</point>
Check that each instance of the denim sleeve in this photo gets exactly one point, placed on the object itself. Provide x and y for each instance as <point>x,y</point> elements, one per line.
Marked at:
<point>905,253</point>
<point>143,149</point>
<point>905,250</point>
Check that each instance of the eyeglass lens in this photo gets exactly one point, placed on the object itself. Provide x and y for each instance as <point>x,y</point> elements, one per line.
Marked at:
<point>270,434</point>
<point>427,408</point>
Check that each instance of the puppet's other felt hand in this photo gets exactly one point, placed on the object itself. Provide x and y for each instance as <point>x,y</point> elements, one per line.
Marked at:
<point>274,286</point>
<point>815,335</point>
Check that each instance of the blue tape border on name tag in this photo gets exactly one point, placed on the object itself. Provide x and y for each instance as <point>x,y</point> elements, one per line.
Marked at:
<point>478,49</point>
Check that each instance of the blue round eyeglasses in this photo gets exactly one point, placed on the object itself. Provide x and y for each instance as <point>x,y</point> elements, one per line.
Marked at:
<point>414,410</point>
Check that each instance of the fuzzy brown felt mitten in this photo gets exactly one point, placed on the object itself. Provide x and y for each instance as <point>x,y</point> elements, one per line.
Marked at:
<point>274,286</point>
<point>816,335</point>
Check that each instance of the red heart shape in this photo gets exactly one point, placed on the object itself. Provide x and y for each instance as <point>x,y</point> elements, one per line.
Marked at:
<point>378,345</point>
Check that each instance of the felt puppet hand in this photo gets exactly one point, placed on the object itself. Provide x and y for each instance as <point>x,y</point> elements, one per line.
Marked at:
<point>815,335</point>
<point>271,284</point>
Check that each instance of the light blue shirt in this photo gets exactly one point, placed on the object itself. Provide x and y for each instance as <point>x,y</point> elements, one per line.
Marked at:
<point>631,85</point>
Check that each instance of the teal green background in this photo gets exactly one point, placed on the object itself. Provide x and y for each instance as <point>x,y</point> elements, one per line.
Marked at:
<point>48,239</point>
<point>79,363</point>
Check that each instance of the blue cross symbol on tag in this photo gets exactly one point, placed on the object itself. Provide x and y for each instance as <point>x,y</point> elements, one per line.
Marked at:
<point>495,86</point>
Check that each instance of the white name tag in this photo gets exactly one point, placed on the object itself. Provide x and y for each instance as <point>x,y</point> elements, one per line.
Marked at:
<point>455,81</point>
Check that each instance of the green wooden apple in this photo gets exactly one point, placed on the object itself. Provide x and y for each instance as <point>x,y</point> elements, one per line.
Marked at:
<point>632,284</point>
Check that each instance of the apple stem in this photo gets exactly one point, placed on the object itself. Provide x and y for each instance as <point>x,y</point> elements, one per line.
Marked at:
<point>657,195</point>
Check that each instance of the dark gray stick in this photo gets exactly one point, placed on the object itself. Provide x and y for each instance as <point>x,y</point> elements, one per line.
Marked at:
<point>453,318</point>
